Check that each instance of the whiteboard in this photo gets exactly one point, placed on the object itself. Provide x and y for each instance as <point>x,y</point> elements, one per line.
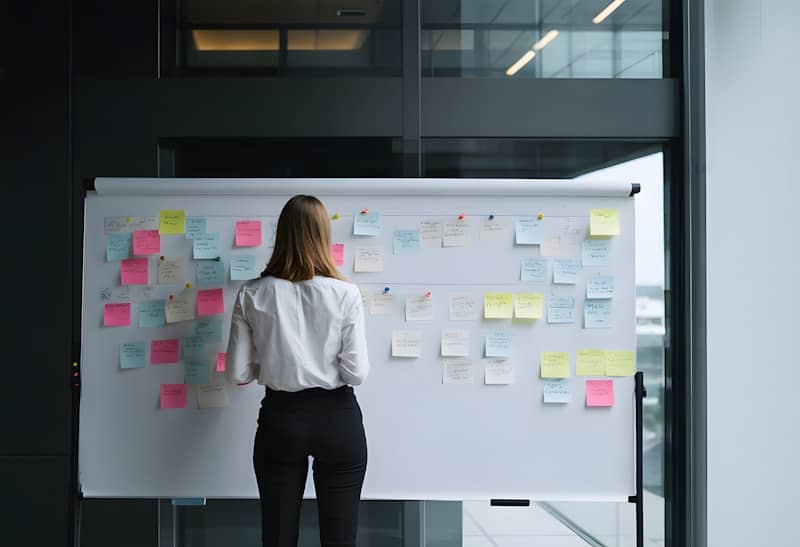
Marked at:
<point>426,440</point>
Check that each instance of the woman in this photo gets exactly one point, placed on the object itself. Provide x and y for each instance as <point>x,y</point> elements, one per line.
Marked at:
<point>299,330</point>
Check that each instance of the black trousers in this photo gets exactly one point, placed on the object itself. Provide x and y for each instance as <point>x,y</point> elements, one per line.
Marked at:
<point>325,424</point>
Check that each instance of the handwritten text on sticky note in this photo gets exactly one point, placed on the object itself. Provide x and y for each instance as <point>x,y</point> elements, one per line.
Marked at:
<point>248,233</point>
<point>498,305</point>
<point>600,393</point>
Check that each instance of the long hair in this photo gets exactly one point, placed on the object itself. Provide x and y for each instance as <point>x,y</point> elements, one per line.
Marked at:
<point>302,242</point>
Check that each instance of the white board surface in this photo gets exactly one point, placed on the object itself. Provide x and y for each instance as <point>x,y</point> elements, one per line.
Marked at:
<point>427,440</point>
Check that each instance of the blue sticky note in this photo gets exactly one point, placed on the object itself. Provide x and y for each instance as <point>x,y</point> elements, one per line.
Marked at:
<point>209,329</point>
<point>131,354</point>
<point>205,246</point>
<point>192,347</point>
<point>406,242</point>
<point>195,226</point>
<point>118,247</point>
<point>210,272</point>
<point>555,390</point>
<point>561,309</point>
<point>498,344</point>
<point>197,372</point>
<point>597,314</point>
<point>534,270</point>
<point>529,231</point>
<point>600,286</point>
<point>596,252</point>
<point>243,267</point>
<point>367,224</point>
<point>566,270</point>
<point>152,313</point>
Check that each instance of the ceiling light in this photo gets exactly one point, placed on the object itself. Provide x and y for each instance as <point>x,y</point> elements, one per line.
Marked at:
<point>546,39</point>
<point>524,60</point>
<point>608,10</point>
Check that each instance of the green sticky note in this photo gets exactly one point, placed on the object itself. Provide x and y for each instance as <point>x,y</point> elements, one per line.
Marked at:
<point>195,226</point>
<point>210,272</point>
<point>118,247</point>
<point>210,330</point>
<point>197,372</point>
<point>192,347</point>
<point>152,313</point>
<point>131,354</point>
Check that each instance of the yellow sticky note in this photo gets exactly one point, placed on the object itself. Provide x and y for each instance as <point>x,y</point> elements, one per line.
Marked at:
<point>498,305</point>
<point>172,222</point>
<point>529,305</point>
<point>554,364</point>
<point>590,362</point>
<point>620,363</point>
<point>604,222</point>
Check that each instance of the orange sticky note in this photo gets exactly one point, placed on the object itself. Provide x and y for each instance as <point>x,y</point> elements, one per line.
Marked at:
<point>117,315</point>
<point>133,271</point>
<point>248,233</point>
<point>146,242</point>
<point>164,352</point>
<point>210,302</point>
<point>220,361</point>
<point>173,395</point>
<point>337,252</point>
<point>599,392</point>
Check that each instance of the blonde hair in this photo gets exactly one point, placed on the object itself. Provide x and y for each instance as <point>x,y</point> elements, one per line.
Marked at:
<point>302,242</point>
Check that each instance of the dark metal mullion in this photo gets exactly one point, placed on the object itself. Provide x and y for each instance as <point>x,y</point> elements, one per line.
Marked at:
<point>412,90</point>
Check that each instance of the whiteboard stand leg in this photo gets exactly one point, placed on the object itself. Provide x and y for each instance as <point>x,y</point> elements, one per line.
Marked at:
<point>639,394</point>
<point>414,523</point>
<point>166,523</point>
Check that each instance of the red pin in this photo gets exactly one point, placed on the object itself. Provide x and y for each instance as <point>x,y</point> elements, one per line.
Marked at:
<point>462,216</point>
<point>171,297</point>
<point>428,295</point>
<point>364,211</point>
<point>161,257</point>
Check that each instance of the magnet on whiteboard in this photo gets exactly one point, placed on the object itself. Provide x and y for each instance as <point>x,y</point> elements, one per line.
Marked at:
<point>491,217</point>
<point>462,216</point>
<point>335,216</point>
<point>428,295</point>
<point>540,216</point>
<point>385,290</point>
<point>364,211</point>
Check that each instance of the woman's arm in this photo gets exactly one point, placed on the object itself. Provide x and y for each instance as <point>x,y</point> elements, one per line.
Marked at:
<point>353,359</point>
<point>241,358</point>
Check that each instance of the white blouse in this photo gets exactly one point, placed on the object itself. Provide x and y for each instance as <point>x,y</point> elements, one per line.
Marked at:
<point>297,335</point>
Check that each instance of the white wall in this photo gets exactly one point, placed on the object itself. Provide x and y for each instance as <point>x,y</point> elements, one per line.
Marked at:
<point>753,200</point>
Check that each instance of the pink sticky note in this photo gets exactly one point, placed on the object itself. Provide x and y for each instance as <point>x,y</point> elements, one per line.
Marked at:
<point>337,251</point>
<point>117,315</point>
<point>221,361</point>
<point>133,271</point>
<point>146,242</point>
<point>599,392</point>
<point>173,395</point>
<point>248,233</point>
<point>209,302</point>
<point>164,351</point>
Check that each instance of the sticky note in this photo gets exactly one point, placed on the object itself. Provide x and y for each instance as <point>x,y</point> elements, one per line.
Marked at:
<point>406,343</point>
<point>212,396</point>
<point>381,304</point>
<point>210,272</point>
<point>220,361</point>
<point>195,226</point>
<point>243,267</point>
<point>118,247</point>
<point>528,231</point>
<point>533,270</point>
<point>454,234</point>
<point>337,253</point>
<point>115,294</point>
<point>419,308</point>
<point>146,242</point>
<point>554,246</point>
<point>117,315</point>
<point>455,343</point>
<point>597,314</point>
<point>273,232</point>
<point>498,305</point>
<point>600,393</point>
<point>620,363</point>
<point>368,259</point>
<point>170,271</point>
<point>462,307</point>
<point>210,302</point>
<point>457,370</point>
<point>192,347</point>
<point>561,309</point>
<point>248,233</point>
<point>497,343</point>
<point>604,222</point>
<point>554,364</point>
<point>494,229</point>
<point>115,225</point>
<point>596,252</point>
<point>152,313</point>
<point>179,308</point>
<point>133,271</point>
<point>209,329</point>
<point>173,395</point>
<point>555,391</point>
<point>566,271</point>
<point>600,286</point>
<point>131,354</point>
<point>368,224</point>
<point>164,352</point>
<point>127,224</point>
<point>196,372</point>
<point>171,222</point>
<point>498,371</point>
<point>529,305</point>
<point>590,362</point>
<point>430,233</point>
<point>205,246</point>
<point>406,242</point>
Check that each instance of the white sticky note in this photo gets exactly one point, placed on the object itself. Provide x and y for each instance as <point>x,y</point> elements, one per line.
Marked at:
<point>463,307</point>
<point>497,344</point>
<point>600,286</point>
<point>419,308</point>
<point>566,271</point>
<point>170,271</point>
<point>553,246</point>
<point>533,270</point>
<point>430,233</point>
<point>381,304</point>
<point>456,370</point>
<point>561,309</point>
<point>528,231</point>
<point>596,252</point>
<point>498,371</point>
<point>556,391</point>
<point>406,343</point>
<point>494,229</point>
<point>454,234</point>
<point>597,314</point>
<point>368,259</point>
<point>212,396</point>
<point>455,343</point>
<point>180,307</point>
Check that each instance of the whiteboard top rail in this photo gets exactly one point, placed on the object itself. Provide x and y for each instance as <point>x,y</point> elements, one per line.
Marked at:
<point>361,187</point>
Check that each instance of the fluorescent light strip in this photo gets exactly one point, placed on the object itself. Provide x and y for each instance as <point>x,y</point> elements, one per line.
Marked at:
<point>608,10</point>
<point>546,39</point>
<point>524,60</point>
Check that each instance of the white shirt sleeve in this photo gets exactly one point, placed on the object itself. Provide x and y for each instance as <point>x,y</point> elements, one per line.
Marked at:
<point>353,359</point>
<point>241,358</point>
